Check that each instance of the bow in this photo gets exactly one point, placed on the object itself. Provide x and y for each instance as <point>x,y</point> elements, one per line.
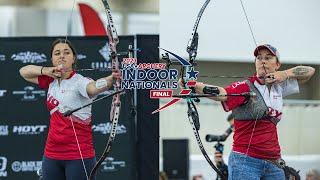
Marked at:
<point>116,101</point>
<point>189,93</point>
<point>187,70</point>
<point>192,110</point>
<point>188,76</point>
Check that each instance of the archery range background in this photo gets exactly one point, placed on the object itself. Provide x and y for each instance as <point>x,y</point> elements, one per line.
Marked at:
<point>24,119</point>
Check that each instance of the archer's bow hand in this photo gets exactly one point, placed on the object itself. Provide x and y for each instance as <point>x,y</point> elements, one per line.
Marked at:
<point>181,84</point>
<point>113,77</point>
<point>116,75</point>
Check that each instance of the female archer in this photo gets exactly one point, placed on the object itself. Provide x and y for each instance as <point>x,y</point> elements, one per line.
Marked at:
<point>256,150</point>
<point>69,152</point>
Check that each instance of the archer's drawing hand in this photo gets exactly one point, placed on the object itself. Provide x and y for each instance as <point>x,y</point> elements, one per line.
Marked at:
<point>276,77</point>
<point>54,72</point>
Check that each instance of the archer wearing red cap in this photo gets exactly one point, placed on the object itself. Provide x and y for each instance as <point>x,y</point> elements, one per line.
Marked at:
<point>256,150</point>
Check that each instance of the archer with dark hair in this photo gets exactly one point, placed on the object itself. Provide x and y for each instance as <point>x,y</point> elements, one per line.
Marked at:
<point>69,152</point>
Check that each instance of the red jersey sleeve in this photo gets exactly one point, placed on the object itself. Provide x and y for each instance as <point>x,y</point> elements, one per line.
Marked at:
<point>235,101</point>
<point>44,81</point>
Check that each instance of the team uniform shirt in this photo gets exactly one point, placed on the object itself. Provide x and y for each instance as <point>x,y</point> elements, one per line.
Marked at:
<point>71,93</point>
<point>264,143</point>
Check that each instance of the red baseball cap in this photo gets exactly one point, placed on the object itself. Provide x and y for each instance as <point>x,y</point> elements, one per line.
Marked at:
<point>272,49</point>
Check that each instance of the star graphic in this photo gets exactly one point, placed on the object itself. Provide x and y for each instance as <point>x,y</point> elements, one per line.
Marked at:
<point>193,74</point>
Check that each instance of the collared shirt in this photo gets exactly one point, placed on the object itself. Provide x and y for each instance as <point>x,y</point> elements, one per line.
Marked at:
<point>264,143</point>
<point>71,93</point>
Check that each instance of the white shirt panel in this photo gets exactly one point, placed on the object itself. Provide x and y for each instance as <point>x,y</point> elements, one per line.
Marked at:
<point>72,94</point>
<point>274,99</point>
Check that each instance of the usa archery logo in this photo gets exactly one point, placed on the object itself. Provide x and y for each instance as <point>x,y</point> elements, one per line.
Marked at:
<point>147,75</point>
<point>192,77</point>
<point>157,77</point>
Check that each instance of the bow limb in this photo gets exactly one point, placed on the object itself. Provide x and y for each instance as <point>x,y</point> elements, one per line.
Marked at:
<point>116,101</point>
<point>192,110</point>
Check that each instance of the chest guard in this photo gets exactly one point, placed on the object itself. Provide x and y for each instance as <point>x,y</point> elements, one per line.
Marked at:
<point>253,109</point>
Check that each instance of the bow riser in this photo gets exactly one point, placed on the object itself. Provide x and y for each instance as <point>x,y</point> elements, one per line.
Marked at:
<point>115,109</point>
<point>113,41</point>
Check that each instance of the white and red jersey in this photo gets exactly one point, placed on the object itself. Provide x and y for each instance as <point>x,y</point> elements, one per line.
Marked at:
<point>71,93</point>
<point>264,143</point>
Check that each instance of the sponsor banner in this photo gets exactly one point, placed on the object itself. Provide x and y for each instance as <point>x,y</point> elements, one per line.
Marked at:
<point>3,167</point>
<point>81,56</point>
<point>29,130</point>
<point>2,57</point>
<point>29,57</point>
<point>2,92</point>
<point>105,128</point>
<point>29,93</point>
<point>4,130</point>
<point>25,166</point>
<point>105,53</point>
<point>110,164</point>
